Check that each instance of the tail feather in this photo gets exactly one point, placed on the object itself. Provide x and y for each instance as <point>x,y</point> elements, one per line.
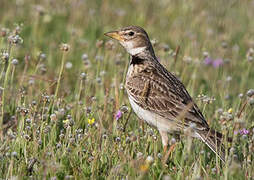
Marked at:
<point>213,140</point>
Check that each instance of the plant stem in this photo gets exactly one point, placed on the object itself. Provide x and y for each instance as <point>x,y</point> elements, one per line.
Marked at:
<point>4,89</point>
<point>59,79</point>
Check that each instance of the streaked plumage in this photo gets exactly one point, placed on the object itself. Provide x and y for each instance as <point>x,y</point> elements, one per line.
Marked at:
<point>157,96</point>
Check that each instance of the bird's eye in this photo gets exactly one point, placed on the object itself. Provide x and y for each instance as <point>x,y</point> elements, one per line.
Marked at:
<point>131,33</point>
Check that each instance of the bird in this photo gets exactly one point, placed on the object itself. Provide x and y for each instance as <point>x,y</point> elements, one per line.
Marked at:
<point>158,97</point>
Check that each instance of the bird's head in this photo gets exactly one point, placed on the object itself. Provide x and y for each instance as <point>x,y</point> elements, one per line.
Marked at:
<point>134,39</point>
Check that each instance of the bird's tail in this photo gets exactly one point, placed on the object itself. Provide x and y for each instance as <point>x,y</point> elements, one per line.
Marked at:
<point>213,140</point>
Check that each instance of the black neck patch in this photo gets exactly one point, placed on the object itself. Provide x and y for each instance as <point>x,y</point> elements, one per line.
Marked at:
<point>136,60</point>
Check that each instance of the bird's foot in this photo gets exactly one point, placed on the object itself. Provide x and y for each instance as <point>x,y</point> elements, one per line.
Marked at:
<point>167,153</point>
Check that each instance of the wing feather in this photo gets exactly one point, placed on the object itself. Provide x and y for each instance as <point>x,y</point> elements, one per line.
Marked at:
<point>155,89</point>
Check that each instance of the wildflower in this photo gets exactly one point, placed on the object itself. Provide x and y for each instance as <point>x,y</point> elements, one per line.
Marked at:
<point>42,56</point>
<point>68,65</point>
<point>172,141</point>
<point>84,57</point>
<point>14,154</point>
<point>53,117</point>
<point>93,98</point>
<point>121,86</point>
<point>58,145</point>
<point>229,78</point>
<point>104,136</point>
<point>15,39</point>
<point>118,139</point>
<point>65,47</point>
<point>154,137</point>
<point>61,136</point>
<point>154,42</point>
<point>83,75</point>
<point>27,137</point>
<point>251,101</point>
<point>5,56</point>
<point>139,154</point>
<point>42,68</point>
<point>242,132</point>
<point>214,171</point>
<point>118,115</point>
<point>217,63</point>
<point>98,80</point>
<point>31,81</point>
<point>205,98</point>
<point>149,159</point>
<point>15,62</point>
<point>230,110</point>
<point>66,121</point>
<point>144,167</point>
<point>250,92</point>
<point>250,54</point>
<point>205,54</point>
<point>91,121</point>
<point>240,95</point>
<point>28,120</point>
<point>208,61</point>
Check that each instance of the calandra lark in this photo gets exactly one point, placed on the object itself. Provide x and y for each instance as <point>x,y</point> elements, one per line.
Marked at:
<point>157,96</point>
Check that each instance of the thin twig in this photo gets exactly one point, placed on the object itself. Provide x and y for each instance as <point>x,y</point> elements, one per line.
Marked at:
<point>127,120</point>
<point>176,53</point>
<point>243,107</point>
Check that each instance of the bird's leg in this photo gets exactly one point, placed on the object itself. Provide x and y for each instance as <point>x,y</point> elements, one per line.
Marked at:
<point>164,138</point>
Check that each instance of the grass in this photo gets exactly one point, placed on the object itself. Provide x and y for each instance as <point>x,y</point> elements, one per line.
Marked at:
<point>49,99</point>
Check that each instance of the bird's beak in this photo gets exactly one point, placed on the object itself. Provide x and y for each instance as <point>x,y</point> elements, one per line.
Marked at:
<point>114,35</point>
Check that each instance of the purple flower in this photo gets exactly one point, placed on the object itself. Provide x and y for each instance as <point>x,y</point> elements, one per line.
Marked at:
<point>118,115</point>
<point>214,62</point>
<point>217,63</point>
<point>208,61</point>
<point>242,131</point>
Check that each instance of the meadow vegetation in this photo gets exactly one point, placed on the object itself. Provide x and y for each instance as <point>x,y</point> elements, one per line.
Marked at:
<point>64,112</point>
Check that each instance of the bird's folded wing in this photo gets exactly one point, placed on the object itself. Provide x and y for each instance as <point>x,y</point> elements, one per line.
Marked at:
<point>166,97</point>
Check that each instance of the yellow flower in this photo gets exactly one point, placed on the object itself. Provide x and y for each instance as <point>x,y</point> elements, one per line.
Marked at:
<point>90,121</point>
<point>66,121</point>
<point>144,167</point>
<point>230,110</point>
